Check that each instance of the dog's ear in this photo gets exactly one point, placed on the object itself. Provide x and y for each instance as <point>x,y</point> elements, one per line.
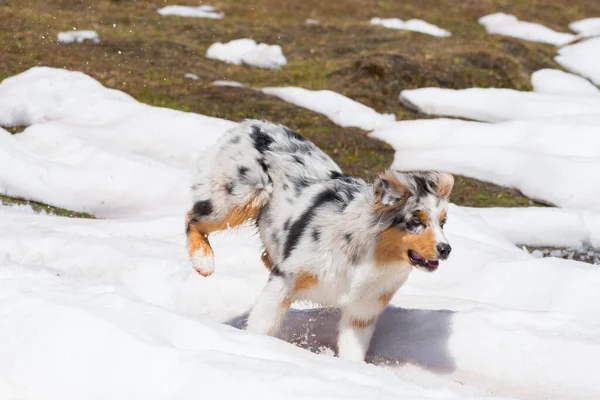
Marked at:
<point>444,182</point>
<point>389,191</point>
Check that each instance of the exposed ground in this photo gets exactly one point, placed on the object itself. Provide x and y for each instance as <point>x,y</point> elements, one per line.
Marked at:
<point>147,55</point>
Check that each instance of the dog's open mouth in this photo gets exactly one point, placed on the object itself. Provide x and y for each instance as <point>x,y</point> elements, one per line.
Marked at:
<point>417,260</point>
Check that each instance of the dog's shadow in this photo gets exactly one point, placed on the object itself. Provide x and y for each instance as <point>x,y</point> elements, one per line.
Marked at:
<point>418,337</point>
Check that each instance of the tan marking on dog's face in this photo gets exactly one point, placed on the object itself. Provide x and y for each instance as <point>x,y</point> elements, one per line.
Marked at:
<point>305,280</point>
<point>362,323</point>
<point>393,245</point>
<point>287,302</point>
<point>444,184</point>
<point>443,216</point>
<point>266,259</point>
<point>423,217</point>
<point>385,298</point>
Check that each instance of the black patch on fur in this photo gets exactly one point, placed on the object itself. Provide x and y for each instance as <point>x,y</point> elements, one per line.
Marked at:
<point>316,234</point>
<point>262,141</point>
<point>202,208</point>
<point>299,226</point>
<point>242,171</point>
<point>294,135</point>
<point>276,272</point>
<point>287,223</point>
<point>299,160</point>
<point>235,140</point>
<point>263,164</point>
<point>422,186</point>
<point>348,237</point>
<point>229,187</point>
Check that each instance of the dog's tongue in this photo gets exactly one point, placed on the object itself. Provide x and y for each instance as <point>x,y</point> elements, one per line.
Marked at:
<point>433,263</point>
<point>415,256</point>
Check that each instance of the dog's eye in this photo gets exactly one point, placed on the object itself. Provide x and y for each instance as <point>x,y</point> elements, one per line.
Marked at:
<point>442,223</point>
<point>414,223</point>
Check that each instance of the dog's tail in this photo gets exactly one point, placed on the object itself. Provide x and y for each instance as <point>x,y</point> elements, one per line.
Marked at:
<point>234,185</point>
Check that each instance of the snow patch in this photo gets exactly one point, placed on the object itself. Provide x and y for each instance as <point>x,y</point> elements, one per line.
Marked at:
<point>496,105</point>
<point>586,27</point>
<point>92,149</point>
<point>77,36</point>
<point>247,51</point>
<point>509,25</point>
<point>204,11</point>
<point>554,81</point>
<point>189,75</point>
<point>582,58</point>
<point>415,25</point>
<point>550,160</point>
<point>338,108</point>
<point>311,21</point>
<point>227,83</point>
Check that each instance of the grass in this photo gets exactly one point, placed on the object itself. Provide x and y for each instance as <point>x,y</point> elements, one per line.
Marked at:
<point>41,207</point>
<point>146,55</point>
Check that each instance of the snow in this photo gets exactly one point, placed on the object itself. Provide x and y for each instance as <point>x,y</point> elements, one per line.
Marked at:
<point>247,51</point>
<point>111,308</point>
<point>227,83</point>
<point>204,11</point>
<point>189,75</point>
<point>537,226</point>
<point>582,58</point>
<point>550,159</point>
<point>586,27</point>
<point>338,108</point>
<point>554,81</point>
<point>496,105</point>
<point>312,21</point>
<point>416,25</point>
<point>509,25</point>
<point>88,146</point>
<point>77,36</point>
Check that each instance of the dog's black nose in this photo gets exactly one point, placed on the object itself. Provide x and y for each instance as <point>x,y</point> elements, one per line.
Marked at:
<point>444,250</point>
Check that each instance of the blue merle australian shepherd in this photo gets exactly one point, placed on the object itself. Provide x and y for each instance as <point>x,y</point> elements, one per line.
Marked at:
<point>328,237</point>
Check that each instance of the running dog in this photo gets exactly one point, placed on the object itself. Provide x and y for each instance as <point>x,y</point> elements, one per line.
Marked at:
<point>328,237</point>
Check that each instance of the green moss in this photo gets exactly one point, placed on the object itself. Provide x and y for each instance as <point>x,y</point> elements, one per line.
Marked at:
<point>41,207</point>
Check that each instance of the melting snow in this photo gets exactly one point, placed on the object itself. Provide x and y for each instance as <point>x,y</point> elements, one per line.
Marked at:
<point>415,25</point>
<point>338,108</point>
<point>582,58</point>
<point>509,25</point>
<point>188,11</point>
<point>111,308</point>
<point>189,75</point>
<point>77,36</point>
<point>247,51</point>
<point>586,27</point>
<point>554,81</point>
<point>227,83</point>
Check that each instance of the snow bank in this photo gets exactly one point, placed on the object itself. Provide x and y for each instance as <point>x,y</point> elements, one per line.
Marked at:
<point>496,105</point>
<point>247,51</point>
<point>509,25</point>
<point>95,149</point>
<point>77,36</point>
<point>338,108</point>
<point>550,160</point>
<point>586,27</point>
<point>416,25</point>
<point>204,11</point>
<point>129,291</point>
<point>535,226</point>
<point>582,58</point>
<point>554,81</point>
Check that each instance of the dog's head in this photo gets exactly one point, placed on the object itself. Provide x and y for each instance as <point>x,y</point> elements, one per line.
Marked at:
<point>412,206</point>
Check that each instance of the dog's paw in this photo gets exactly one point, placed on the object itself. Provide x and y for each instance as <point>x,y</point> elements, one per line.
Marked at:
<point>204,264</point>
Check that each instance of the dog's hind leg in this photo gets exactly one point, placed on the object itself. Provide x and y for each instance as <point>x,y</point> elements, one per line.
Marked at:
<point>273,303</point>
<point>202,220</point>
